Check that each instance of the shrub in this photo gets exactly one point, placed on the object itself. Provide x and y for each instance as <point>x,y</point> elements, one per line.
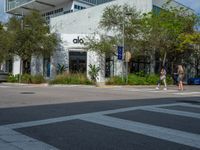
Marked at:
<point>13,78</point>
<point>27,78</point>
<point>37,79</point>
<point>138,79</point>
<point>169,80</point>
<point>140,74</point>
<point>61,68</point>
<point>93,72</point>
<point>152,79</point>
<point>71,79</point>
<point>116,80</point>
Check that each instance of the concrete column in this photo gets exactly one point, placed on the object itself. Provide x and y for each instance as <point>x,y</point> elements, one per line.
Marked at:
<point>60,56</point>
<point>16,65</point>
<point>99,61</point>
<point>36,65</point>
<point>3,66</point>
<point>118,67</point>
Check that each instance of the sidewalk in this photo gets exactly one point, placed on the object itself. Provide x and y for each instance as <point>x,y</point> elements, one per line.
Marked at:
<point>187,87</point>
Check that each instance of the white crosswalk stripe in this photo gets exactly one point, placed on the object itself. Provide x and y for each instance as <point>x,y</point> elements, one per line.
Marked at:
<point>172,135</point>
<point>11,138</point>
<point>153,90</point>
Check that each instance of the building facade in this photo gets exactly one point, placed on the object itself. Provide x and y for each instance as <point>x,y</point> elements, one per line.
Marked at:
<point>73,20</point>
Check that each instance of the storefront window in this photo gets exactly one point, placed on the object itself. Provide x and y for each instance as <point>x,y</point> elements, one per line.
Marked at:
<point>26,66</point>
<point>9,66</point>
<point>46,67</point>
<point>77,62</point>
<point>140,63</point>
<point>109,67</point>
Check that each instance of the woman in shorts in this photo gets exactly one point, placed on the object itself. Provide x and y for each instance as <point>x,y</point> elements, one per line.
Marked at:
<point>180,72</point>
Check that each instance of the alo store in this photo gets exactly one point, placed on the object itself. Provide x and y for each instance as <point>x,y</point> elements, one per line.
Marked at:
<point>72,54</point>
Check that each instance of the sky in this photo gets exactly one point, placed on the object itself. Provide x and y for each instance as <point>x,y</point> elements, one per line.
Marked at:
<point>194,4</point>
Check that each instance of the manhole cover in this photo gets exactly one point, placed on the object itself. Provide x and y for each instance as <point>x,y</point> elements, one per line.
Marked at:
<point>27,93</point>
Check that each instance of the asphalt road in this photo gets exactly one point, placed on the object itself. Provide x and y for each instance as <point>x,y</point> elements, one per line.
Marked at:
<point>90,118</point>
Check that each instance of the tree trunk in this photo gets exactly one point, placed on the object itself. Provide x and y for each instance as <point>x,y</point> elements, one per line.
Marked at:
<point>152,62</point>
<point>20,70</point>
<point>164,59</point>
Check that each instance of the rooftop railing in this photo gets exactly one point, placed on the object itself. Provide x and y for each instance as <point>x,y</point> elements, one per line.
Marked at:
<point>11,4</point>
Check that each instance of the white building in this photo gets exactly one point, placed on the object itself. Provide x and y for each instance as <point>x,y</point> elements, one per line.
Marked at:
<point>73,26</point>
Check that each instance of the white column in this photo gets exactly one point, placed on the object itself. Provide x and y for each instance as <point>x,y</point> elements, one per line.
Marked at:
<point>36,65</point>
<point>16,65</point>
<point>3,66</point>
<point>118,67</point>
<point>99,61</point>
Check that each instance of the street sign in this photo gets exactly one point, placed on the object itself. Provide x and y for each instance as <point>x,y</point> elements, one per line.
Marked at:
<point>120,52</point>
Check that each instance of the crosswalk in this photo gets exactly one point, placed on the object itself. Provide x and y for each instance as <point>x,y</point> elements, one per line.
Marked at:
<point>153,90</point>
<point>11,138</point>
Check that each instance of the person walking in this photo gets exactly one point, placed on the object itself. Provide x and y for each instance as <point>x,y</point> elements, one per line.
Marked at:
<point>163,74</point>
<point>180,72</point>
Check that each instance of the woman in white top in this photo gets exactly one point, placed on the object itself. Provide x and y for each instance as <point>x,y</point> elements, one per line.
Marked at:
<point>162,78</point>
<point>180,72</point>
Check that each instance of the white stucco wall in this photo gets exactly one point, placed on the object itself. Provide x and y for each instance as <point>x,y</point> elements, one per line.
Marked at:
<point>61,56</point>
<point>86,21</point>
<point>83,23</point>
<point>37,65</point>
<point>16,65</point>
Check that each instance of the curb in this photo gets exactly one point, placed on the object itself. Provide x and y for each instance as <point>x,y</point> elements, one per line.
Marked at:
<point>23,84</point>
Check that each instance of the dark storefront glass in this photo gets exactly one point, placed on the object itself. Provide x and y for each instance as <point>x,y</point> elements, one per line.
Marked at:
<point>9,65</point>
<point>46,67</point>
<point>77,62</point>
<point>139,64</point>
<point>26,66</point>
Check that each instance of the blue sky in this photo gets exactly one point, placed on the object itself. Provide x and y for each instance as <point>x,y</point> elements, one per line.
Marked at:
<point>194,4</point>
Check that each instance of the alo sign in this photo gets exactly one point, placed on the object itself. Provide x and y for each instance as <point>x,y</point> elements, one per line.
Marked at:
<point>78,40</point>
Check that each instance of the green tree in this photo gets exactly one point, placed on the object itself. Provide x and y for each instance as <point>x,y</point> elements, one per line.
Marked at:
<point>30,35</point>
<point>4,43</point>
<point>191,42</point>
<point>116,21</point>
<point>153,34</point>
<point>161,30</point>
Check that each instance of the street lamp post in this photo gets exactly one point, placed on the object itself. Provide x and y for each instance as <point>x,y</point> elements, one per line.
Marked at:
<point>22,28</point>
<point>123,43</point>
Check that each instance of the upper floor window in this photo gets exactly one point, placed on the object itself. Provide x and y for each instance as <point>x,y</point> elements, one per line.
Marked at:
<point>77,7</point>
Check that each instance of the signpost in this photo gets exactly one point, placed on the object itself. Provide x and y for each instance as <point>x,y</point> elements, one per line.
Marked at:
<point>120,51</point>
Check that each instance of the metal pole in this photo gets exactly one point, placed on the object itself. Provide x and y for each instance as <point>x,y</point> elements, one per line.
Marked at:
<point>123,45</point>
<point>20,71</point>
<point>126,65</point>
<point>126,71</point>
